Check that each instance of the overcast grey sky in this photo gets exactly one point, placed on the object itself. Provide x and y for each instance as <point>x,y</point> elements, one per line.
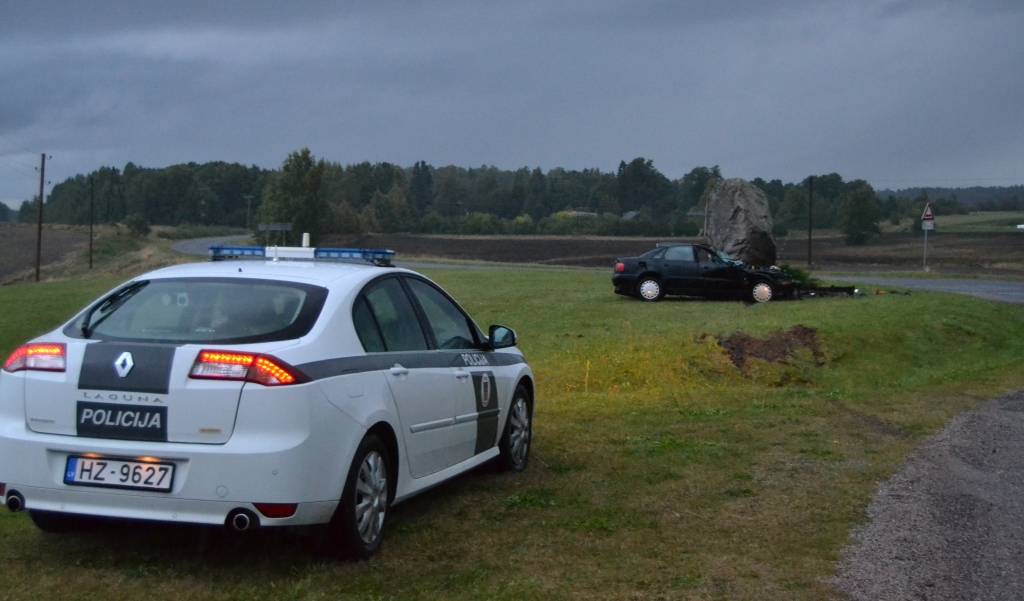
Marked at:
<point>900,92</point>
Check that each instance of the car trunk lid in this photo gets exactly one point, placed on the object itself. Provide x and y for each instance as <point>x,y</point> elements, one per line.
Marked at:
<point>131,391</point>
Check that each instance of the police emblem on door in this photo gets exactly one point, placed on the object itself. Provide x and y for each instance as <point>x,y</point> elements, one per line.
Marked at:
<point>485,389</point>
<point>485,392</point>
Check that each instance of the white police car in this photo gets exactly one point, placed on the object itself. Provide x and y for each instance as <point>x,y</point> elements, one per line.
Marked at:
<point>260,393</point>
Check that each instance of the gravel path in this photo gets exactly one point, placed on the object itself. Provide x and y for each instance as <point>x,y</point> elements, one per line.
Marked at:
<point>1007,292</point>
<point>950,523</point>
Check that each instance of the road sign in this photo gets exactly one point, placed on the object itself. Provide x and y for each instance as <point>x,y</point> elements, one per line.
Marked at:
<point>927,225</point>
<point>275,227</point>
<point>928,218</point>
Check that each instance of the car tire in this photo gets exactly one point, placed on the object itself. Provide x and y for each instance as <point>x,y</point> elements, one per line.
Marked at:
<point>518,435</point>
<point>357,528</point>
<point>761,292</point>
<point>57,523</point>
<point>649,290</point>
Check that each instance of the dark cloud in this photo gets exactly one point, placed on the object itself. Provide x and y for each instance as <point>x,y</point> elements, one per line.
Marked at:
<point>899,92</point>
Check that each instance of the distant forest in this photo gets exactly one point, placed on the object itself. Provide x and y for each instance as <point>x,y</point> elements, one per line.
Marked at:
<point>325,197</point>
<point>976,198</point>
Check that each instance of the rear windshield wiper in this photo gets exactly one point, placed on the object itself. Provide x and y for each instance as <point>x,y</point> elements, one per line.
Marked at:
<point>111,302</point>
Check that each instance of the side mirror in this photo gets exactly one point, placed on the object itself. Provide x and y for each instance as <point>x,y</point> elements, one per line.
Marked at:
<point>501,337</point>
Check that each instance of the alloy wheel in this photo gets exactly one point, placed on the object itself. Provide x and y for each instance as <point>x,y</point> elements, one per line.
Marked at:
<point>519,430</point>
<point>371,497</point>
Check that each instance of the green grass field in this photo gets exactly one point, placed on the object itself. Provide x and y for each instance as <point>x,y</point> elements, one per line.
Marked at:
<point>660,470</point>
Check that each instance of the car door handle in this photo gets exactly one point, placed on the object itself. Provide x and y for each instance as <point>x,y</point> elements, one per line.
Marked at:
<point>461,374</point>
<point>398,370</point>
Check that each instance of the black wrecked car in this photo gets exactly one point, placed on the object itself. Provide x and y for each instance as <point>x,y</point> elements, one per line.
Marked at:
<point>697,270</point>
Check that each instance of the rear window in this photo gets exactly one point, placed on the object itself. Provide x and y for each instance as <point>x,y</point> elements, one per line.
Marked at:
<point>208,310</point>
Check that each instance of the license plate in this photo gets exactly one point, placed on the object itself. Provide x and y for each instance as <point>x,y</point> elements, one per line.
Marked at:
<point>119,473</point>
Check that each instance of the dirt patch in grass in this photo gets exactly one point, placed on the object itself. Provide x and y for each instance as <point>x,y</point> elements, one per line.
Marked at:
<point>776,348</point>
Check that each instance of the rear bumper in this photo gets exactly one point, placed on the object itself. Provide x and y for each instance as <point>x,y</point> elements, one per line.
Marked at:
<point>624,284</point>
<point>306,467</point>
<point>147,506</point>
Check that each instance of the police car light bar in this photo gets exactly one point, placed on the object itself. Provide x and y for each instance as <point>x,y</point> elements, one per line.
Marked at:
<point>377,256</point>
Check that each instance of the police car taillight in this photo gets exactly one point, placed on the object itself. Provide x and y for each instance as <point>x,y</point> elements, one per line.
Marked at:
<point>246,367</point>
<point>37,356</point>
<point>620,267</point>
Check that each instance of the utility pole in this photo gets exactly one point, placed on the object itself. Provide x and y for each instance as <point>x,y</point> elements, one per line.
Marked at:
<point>248,209</point>
<point>810,216</point>
<point>39,228</point>
<point>91,216</point>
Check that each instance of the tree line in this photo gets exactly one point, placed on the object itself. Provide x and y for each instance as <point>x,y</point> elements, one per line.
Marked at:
<point>324,197</point>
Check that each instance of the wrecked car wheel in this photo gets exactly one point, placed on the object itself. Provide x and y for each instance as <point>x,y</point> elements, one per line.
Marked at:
<point>761,292</point>
<point>649,290</point>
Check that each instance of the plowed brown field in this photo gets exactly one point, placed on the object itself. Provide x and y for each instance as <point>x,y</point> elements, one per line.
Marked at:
<point>992,254</point>
<point>18,247</point>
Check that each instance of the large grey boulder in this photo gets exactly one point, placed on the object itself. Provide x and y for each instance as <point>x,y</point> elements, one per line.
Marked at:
<point>738,220</point>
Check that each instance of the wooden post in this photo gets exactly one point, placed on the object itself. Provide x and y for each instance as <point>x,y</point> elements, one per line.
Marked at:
<point>810,216</point>
<point>91,216</point>
<point>39,226</point>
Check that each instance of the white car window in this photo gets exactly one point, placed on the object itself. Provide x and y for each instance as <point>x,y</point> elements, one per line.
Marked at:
<point>399,326</point>
<point>446,321</point>
<point>366,327</point>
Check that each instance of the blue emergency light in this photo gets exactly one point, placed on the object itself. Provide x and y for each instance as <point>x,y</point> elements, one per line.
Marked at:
<point>377,256</point>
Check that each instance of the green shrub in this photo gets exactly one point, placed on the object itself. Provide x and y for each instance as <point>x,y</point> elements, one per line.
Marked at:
<point>480,223</point>
<point>136,224</point>
<point>801,277</point>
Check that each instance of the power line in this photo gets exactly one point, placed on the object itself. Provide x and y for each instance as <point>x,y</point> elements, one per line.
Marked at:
<point>19,158</point>
<point>19,166</point>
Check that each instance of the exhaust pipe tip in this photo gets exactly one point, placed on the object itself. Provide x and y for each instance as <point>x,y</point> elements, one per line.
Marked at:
<point>242,520</point>
<point>15,502</point>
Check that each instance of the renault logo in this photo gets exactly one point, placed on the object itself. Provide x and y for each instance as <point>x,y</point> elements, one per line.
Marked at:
<point>124,364</point>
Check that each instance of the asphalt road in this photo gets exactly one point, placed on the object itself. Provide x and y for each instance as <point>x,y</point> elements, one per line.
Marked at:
<point>950,523</point>
<point>1007,292</point>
